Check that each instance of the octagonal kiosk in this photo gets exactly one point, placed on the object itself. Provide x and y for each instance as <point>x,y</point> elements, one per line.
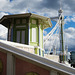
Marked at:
<point>26,29</point>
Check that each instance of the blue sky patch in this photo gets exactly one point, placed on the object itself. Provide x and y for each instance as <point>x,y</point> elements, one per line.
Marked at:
<point>11,0</point>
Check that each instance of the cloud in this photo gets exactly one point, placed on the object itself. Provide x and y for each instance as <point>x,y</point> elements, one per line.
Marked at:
<point>69,39</point>
<point>44,32</point>
<point>3,33</point>
<point>69,19</point>
<point>53,41</point>
<point>49,7</point>
<point>3,13</point>
<point>73,18</point>
<point>3,30</point>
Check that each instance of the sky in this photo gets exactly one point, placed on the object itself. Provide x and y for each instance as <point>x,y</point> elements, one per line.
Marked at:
<point>48,8</point>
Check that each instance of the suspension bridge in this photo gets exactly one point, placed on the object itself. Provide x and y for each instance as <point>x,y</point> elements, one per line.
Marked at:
<point>57,30</point>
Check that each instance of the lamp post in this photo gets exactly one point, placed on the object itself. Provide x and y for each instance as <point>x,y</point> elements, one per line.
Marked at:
<point>62,55</point>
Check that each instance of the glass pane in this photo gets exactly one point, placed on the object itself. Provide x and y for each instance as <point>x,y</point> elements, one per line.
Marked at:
<point>23,37</point>
<point>33,34</point>
<point>18,37</point>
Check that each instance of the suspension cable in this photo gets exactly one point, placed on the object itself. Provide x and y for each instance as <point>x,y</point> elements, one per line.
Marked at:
<point>52,31</point>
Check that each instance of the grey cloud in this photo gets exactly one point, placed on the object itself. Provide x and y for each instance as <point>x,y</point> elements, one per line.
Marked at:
<point>70,3</point>
<point>70,30</point>
<point>3,32</point>
<point>50,4</point>
<point>41,6</point>
<point>70,38</point>
<point>20,5</point>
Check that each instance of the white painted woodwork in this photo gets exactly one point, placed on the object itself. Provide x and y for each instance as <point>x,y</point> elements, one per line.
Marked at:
<point>10,64</point>
<point>33,34</point>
